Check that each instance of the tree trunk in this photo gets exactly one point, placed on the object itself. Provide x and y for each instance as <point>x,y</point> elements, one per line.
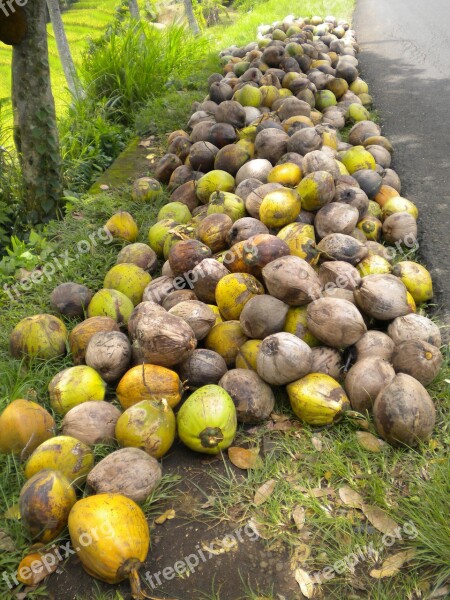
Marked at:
<point>65,55</point>
<point>134,9</point>
<point>191,17</point>
<point>35,131</point>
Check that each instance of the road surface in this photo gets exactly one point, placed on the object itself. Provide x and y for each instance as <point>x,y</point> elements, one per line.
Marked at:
<point>405,58</point>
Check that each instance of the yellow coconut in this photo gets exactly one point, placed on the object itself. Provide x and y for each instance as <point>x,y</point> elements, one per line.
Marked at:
<point>216,311</point>
<point>358,158</point>
<point>23,426</point>
<point>248,95</point>
<point>63,453</point>
<point>234,291</point>
<point>149,382</point>
<point>416,278</point>
<point>129,279</point>
<point>269,93</point>
<point>122,225</point>
<point>373,265</point>
<point>40,336</point>
<point>111,538</point>
<point>296,323</point>
<point>248,146</point>
<point>214,181</point>
<point>81,334</point>
<point>300,238</point>
<point>317,399</point>
<point>316,189</point>
<point>371,226</point>
<point>246,356</point>
<point>280,207</point>
<point>398,204</point>
<point>74,386</point>
<point>226,339</point>
<point>111,303</point>
<point>288,174</point>
<point>45,503</point>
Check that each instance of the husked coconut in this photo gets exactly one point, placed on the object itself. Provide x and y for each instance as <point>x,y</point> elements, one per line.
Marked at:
<point>253,398</point>
<point>365,380</point>
<point>328,361</point>
<point>336,322</point>
<point>419,359</point>
<point>375,343</point>
<point>263,316</point>
<point>414,327</point>
<point>283,358</point>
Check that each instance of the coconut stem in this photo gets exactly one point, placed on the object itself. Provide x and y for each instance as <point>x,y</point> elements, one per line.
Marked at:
<point>136,590</point>
<point>211,437</point>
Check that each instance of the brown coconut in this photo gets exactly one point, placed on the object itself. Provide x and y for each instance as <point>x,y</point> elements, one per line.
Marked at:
<point>213,231</point>
<point>339,274</point>
<point>83,332</point>
<point>253,398</point>
<point>304,141</point>
<point>198,315</point>
<point>186,254</point>
<point>375,344</point>
<point>338,246</point>
<point>414,327</point>
<point>158,289</point>
<point>177,297</point>
<point>205,277</point>
<point>336,218</point>
<point>336,322</point>
<point>138,254</point>
<point>292,280</point>
<point>365,380</point>
<point>400,227</point>
<point>255,198</point>
<point>109,353</point>
<point>419,359</point>
<point>202,155</point>
<point>71,299</point>
<point>92,422</point>
<point>283,358</point>
<point>382,297</point>
<point>262,316</point>
<point>245,228</point>
<point>202,367</point>
<point>328,361</point>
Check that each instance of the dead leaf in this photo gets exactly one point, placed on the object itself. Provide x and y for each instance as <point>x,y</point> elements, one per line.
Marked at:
<point>13,512</point>
<point>150,156</point>
<point>299,515</point>
<point>320,492</point>
<point>166,516</point>
<point>243,458</point>
<point>392,565</point>
<point>369,442</point>
<point>305,582</point>
<point>283,426</point>
<point>262,531</point>
<point>144,143</point>
<point>210,501</point>
<point>264,492</point>
<point>350,498</point>
<point>6,542</point>
<point>317,443</point>
<point>379,519</point>
<point>276,417</point>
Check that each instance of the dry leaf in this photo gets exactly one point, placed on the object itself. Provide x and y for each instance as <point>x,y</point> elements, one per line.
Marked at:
<point>169,514</point>
<point>305,582</point>
<point>442,592</point>
<point>264,492</point>
<point>317,443</point>
<point>144,143</point>
<point>262,531</point>
<point>13,512</point>
<point>276,417</point>
<point>350,498</point>
<point>243,458</point>
<point>150,156</point>
<point>379,519</point>
<point>369,442</point>
<point>300,555</point>
<point>319,492</point>
<point>283,426</point>
<point>392,565</point>
<point>6,542</point>
<point>299,515</point>
<point>210,501</point>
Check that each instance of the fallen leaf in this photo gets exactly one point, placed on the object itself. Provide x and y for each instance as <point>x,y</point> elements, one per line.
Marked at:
<point>6,542</point>
<point>305,582</point>
<point>320,492</point>
<point>317,443</point>
<point>283,426</point>
<point>264,492</point>
<point>392,565</point>
<point>150,157</point>
<point>379,519</point>
<point>369,442</point>
<point>276,417</point>
<point>144,143</point>
<point>243,458</point>
<point>299,515</point>
<point>301,554</point>
<point>210,501</point>
<point>13,512</point>
<point>166,516</point>
<point>350,498</point>
<point>262,531</point>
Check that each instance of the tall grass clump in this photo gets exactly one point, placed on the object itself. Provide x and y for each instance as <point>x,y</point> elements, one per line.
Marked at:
<point>135,62</point>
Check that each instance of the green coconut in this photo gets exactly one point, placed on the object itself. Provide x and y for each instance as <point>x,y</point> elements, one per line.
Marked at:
<point>111,303</point>
<point>39,336</point>
<point>175,210</point>
<point>129,279</point>
<point>146,189</point>
<point>214,181</point>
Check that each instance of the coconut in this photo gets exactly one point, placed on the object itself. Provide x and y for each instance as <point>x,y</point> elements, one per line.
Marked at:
<point>262,316</point>
<point>391,178</point>
<point>147,189</point>
<point>202,367</point>
<point>271,144</point>
<point>158,233</point>
<point>177,297</point>
<point>122,225</point>
<point>197,117</point>
<point>416,278</point>
<point>338,274</point>
<point>253,398</point>
<point>166,166</point>
<point>226,338</point>
<point>304,141</point>
<point>260,250</point>
<point>128,471</point>
<point>71,299</point>
<point>336,217</point>
<point>295,323</point>
<point>361,131</point>
<point>230,112</point>
<point>369,180</point>
<point>200,131</point>
<point>365,380</point>
<point>178,211</point>
<point>400,227</point>
<point>254,199</point>
<point>414,327</point>
<point>181,175</point>
<point>404,412</point>
<point>91,422</point>
<point>370,226</point>
<point>231,158</point>
<point>382,297</point>
<point>246,187</point>
<point>287,174</point>
<point>24,425</point>
<point>139,254</point>
<point>375,344</point>
<point>258,168</point>
<point>186,254</point>
<point>40,336</point>
<point>158,289</point>
<point>83,332</point>
<point>197,315</point>
<point>129,279</point>
<point>205,277</point>
<point>419,359</point>
<point>341,247</point>
<point>228,203</point>
<point>316,189</point>
<point>234,291</point>
<point>353,196</point>
<point>327,360</point>
<point>318,160</point>
<point>283,358</point>
<point>221,134</point>
<point>109,353</point>
<point>213,231</point>
<point>220,91</point>
<point>397,204</point>
<point>214,181</point>
<point>248,352</point>
<point>245,228</point>
<point>202,155</point>
<point>292,107</point>
<point>73,386</point>
<point>160,338</point>
<point>292,280</point>
<point>279,207</point>
<point>149,382</point>
<point>336,322</point>
<point>111,303</point>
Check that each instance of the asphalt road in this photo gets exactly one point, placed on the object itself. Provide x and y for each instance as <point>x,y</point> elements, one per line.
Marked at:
<point>405,58</point>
